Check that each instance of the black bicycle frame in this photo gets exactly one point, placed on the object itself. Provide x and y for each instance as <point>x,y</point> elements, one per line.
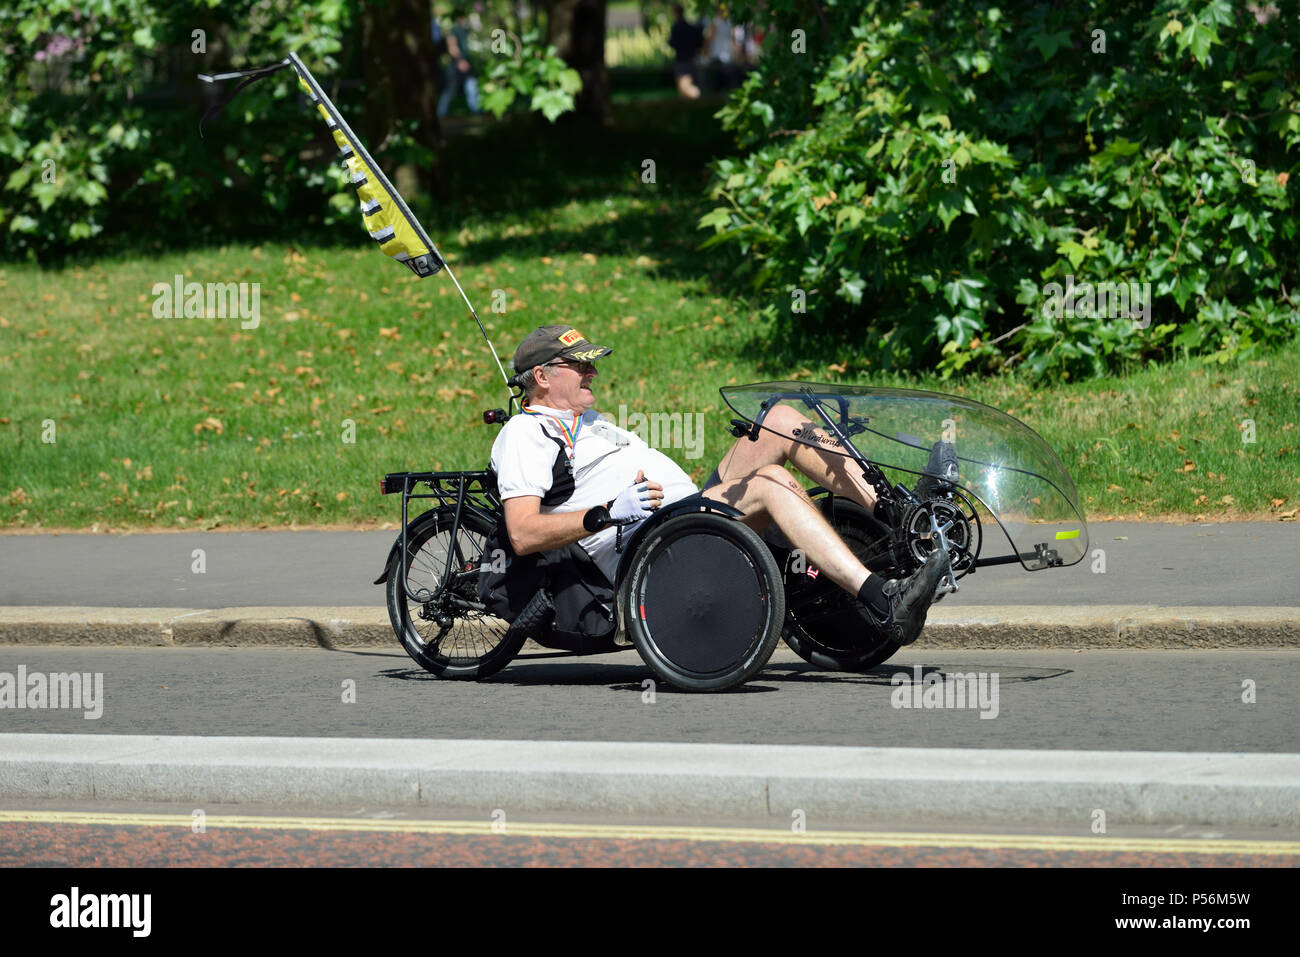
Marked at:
<point>475,490</point>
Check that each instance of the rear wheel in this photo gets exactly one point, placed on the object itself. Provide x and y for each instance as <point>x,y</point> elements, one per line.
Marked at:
<point>438,616</point>
<point>825,625</point>
<point>705,603</point>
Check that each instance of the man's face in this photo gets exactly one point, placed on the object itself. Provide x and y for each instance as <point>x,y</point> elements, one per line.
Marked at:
<point>566,384</point>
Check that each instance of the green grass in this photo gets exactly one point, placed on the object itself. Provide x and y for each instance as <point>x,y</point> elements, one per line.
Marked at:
<point>196,423</point>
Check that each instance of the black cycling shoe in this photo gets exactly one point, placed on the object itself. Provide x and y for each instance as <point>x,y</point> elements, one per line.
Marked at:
<point>910,599</point>
<point>940,472</point>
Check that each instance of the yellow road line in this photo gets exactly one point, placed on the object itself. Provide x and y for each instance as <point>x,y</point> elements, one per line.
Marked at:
<point>667,833</point>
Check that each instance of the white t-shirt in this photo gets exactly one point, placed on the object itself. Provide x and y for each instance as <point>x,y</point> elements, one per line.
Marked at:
<point>721,48</point>
<point>533,456</point>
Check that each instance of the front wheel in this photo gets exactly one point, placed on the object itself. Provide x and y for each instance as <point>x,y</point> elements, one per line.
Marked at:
<point>826,626</point>
<point>438,616</point>
<point>705,602</point>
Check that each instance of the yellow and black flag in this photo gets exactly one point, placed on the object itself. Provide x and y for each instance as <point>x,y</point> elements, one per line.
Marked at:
<point>385,214</point>
<point>383,211</point>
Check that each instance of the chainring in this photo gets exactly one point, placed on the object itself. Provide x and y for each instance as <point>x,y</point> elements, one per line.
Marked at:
<point>956,518</point>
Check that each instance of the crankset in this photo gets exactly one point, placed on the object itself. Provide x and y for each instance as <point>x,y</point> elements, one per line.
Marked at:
<point>949,523</point>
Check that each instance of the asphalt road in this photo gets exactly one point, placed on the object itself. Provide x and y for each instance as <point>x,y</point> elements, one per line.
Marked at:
<point>1238,564</point>
<point>1095,700</point>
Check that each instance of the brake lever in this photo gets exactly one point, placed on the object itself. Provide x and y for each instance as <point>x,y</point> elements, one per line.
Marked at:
<point>618,533</point>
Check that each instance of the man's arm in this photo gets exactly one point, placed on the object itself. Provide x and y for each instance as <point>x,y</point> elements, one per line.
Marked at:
<point>531,531</point>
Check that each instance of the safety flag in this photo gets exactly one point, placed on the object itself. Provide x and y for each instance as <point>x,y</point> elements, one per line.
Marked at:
<point>386,216</point>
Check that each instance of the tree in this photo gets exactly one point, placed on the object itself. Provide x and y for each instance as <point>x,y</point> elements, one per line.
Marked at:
<point>577,30</point>
<point>953,185</point>
<point>400,71</point>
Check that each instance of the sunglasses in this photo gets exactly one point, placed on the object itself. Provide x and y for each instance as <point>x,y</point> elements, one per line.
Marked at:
<point>582,368</point>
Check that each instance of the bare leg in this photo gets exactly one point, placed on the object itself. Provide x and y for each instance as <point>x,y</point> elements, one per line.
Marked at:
<point>770,493</point>
<point>830,469</point>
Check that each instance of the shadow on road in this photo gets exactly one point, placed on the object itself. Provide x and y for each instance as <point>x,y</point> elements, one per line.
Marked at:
<point>586,672</point>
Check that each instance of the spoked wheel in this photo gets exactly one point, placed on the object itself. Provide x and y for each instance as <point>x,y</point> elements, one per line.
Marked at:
<point>705,602</point>
<point>438,616</point>
<point>825,625</point>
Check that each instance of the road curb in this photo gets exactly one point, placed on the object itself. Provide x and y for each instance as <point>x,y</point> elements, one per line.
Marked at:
<point>949,626</point>
<point>997,787</point>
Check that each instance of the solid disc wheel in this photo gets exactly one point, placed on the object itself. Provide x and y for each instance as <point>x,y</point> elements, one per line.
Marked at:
<point>705,602</point>
<point>438,616</point>
<point>825,625</point>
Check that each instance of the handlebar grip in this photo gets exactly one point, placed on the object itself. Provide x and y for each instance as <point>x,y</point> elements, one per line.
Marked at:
<point>741,427</point>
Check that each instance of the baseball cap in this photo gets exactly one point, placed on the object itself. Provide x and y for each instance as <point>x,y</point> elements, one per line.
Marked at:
<point>555,342</point>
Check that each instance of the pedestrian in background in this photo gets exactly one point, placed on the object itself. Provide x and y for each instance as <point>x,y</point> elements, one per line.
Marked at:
<point>459,75</point>
<point>686,40</point>
<point>724,53</point>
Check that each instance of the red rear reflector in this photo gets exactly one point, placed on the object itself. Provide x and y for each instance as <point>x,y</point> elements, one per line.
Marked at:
<point>643,612</point>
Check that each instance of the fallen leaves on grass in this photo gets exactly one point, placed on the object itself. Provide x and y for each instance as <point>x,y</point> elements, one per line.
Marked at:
<point>211,424</point>
<point>447,394</point>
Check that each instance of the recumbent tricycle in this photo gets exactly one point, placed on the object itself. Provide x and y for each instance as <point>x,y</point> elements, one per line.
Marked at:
<point>701,596</point>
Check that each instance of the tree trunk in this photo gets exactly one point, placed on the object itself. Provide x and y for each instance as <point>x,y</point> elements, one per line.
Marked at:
<point>577,29</point>
<point>401,84</point>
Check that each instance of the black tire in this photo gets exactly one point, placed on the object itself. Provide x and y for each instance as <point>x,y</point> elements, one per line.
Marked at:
<point>825,626</point>
<point>468,644</point>
<point>704,602</point>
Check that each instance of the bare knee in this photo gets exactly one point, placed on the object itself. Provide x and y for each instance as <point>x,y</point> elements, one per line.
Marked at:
<point>785,421</point>
<point>776,480</point>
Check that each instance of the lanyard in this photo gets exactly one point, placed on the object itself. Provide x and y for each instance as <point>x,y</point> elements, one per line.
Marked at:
<point>570,433</point>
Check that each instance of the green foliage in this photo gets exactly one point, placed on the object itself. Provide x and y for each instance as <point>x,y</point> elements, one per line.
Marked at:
<point>96,145</point>
<point>923,173</point>
<point>99,123</point>
<point>535,74</point>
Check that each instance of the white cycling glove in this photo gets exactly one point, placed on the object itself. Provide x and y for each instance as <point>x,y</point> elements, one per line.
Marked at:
<point>632,504</point>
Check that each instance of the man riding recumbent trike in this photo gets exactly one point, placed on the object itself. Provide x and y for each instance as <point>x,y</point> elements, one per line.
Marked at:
<point>580,534</point>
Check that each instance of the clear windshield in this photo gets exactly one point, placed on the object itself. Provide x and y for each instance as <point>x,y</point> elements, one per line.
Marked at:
<point>1005,468</point>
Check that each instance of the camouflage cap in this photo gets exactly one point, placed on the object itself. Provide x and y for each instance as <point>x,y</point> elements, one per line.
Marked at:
<point>554,342</point>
